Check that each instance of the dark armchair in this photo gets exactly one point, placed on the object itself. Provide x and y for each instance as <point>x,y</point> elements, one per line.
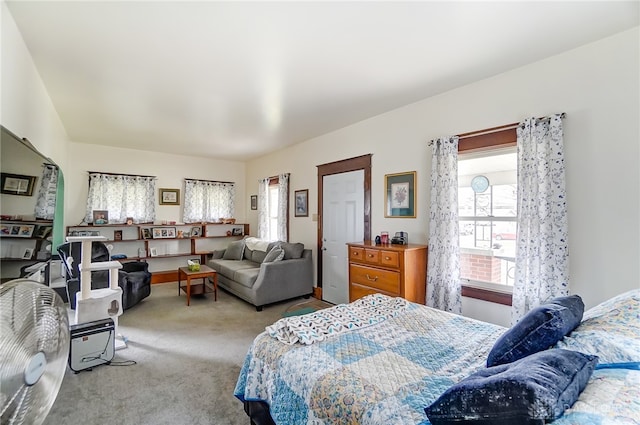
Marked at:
<point>134,277</point>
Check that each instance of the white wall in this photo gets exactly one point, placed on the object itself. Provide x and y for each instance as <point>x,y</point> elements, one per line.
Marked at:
<point>171,170</point>
<point>26,108</point>
<point>596,85</point>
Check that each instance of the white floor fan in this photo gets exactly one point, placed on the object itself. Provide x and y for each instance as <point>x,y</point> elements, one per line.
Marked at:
<point>34,347</point>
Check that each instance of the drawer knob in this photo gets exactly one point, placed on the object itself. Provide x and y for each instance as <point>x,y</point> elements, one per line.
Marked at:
<point>372,279</point>
<point>370,255</point>
<point>387,258</point>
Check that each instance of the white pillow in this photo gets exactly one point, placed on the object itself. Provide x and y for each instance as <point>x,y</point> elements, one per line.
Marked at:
<point>276,254</point>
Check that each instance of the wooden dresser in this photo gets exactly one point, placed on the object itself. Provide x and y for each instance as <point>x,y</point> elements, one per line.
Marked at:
<point>394,270</point>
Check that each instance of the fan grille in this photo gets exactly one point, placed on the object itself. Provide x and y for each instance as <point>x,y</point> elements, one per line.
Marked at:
<point>33,319</point>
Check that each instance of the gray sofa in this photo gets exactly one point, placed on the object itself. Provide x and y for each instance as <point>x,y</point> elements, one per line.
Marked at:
<point>279,272</point>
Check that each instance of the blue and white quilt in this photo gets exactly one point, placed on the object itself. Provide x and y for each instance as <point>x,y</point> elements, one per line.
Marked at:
<point>388,372</point>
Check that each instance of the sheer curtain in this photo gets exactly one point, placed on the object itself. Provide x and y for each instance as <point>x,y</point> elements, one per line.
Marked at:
<point>123,196</point>
<point>46,202</point>
<point>208,200</point>
<point>444,290</point>
<point>542,255</point>
<point>273,208</point>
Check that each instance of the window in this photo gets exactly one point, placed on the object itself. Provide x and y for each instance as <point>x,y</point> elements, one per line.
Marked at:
<point>208,200</point>
<point>273,208</point>
<point>487,214</point>
<point>122,196</point>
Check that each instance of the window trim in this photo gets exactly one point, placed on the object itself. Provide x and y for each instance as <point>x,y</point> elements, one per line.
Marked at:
<point>483,140</point>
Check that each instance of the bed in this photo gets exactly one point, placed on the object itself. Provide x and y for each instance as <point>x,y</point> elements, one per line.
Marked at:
<point>388,366</point>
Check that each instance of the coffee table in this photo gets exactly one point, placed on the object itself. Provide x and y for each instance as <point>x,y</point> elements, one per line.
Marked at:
<point>204,273</point>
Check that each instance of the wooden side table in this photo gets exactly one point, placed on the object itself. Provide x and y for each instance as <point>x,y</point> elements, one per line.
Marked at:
<point>204,273</point>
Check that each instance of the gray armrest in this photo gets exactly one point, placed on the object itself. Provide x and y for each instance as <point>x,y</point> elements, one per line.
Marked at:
<point>284,279</point>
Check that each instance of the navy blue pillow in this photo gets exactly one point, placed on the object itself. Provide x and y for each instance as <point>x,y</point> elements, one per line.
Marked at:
<point>538,330</point>
<point>533,390</point>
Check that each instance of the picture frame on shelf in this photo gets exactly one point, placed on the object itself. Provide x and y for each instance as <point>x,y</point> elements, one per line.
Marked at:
<point>100,217</point>
<point>22,230</point>
<point>42,232</point>
<point>27,254</point>
<point>169,196</point>
<point>145,233</point>
<point>163,232</point>
<point>17,184</point>
<point>302,203</point>
<point>153,252</point>
<point>237,231</point>
<point>196,232</point>
<point>254,202</point>
<point>400,195</point>
<point>117,235</point>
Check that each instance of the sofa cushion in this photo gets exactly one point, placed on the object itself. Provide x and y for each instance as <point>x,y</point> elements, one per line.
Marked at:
<point>248,253</point>
<point>234,251</point>
<point>276,254</point>
<point>258,256</point>
<point>246,277</point>
<point>228,268</point>
<point>292,250</point>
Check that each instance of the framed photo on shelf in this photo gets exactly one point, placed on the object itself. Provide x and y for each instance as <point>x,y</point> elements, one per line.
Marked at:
<point>237,231</point>
<point>17,184</point>
<point>27,254</point>
<point>153,252</point>
<point>145,233</point>
<point>169,196</point>
<point>196,231</point>
<point>164,232</point>
<point>21,230</point>
<point>100,217</point>
<point>400,195</point>
<point>117,235</point>
<point>42,231</point>
<point>254,202</point>
<point>302,203</point>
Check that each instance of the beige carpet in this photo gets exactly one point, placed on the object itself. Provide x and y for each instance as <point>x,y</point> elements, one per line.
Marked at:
<point>188,361</point>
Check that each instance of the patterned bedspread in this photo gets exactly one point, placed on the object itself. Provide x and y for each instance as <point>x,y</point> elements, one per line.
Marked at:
<point>382,374</point>
<point>389,372</point>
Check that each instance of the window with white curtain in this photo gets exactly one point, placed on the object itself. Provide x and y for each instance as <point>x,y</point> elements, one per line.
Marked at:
<point>273,208</point>
<point>122,196</point>
<point>208,200</point>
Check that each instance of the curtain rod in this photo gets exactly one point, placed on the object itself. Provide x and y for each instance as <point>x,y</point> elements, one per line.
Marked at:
<point>500,128</point>
<point>209,181</point>
<point>119,174</point>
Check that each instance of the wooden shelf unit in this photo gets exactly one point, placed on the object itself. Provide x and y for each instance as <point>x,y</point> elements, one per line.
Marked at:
<point>40,232</point>
<point>164,248</point>
<point>394,270</point>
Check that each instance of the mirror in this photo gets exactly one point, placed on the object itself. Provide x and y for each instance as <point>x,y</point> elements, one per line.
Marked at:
<point>29,189</point>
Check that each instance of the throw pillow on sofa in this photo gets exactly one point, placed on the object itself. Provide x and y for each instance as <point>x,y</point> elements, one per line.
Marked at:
<point>276,254</point>
<point>292,250</point>
<point>234,251</point>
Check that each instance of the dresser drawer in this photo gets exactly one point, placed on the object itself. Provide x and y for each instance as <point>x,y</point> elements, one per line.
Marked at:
<point>358,291</point>
<point>385,280</point>
<point>389,259</point>
<point>356,254</point>
<point>372,256</point>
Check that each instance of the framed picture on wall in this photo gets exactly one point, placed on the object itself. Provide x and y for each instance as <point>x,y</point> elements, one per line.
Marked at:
<point>169,196</point>
<point>17,184</point>
<point>400,195</point>
<point>254,202</point>
<point>302,203</point>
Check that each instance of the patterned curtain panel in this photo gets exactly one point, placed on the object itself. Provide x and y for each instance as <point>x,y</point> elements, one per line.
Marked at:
<point>542,255</point>
<point>123,196</point>
<point>46,202</point>
<point>444,290</point>
<point>283,207</point>
<point>208,200</point>
<point>263,209</point>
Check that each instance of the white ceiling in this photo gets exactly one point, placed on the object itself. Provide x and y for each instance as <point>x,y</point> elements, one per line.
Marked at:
<point>236,80</point>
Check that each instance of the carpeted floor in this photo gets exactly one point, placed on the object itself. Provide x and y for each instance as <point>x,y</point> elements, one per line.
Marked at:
<point>188,360</point>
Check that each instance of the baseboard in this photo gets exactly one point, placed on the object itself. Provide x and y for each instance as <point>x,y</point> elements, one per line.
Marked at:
<point>164,277</point>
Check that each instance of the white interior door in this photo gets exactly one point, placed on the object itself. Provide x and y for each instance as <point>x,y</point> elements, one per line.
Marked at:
<point>342,222</point>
